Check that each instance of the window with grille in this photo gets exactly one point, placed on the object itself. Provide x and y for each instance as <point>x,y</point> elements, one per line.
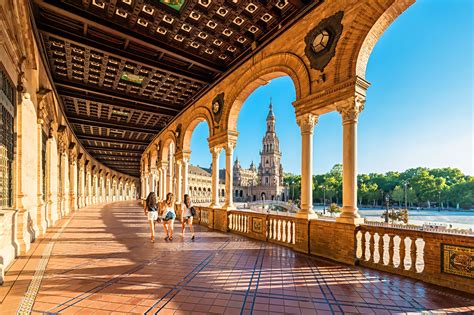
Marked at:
<point>7,112</point>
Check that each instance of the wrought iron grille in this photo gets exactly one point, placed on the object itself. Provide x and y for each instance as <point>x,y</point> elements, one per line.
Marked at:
<point>7,104</point>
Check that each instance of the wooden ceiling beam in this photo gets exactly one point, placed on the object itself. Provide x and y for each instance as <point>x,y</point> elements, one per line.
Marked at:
<point>89,121</point>
<point>106,149</point>
<point>165,109</point>
<point>111,140</point>
<point>124,34</point>
<point>123,54</point>
<point>103,98</point>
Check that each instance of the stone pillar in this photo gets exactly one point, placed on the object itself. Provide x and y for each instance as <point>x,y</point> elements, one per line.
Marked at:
<point>89,187</point>
<point>81,184</point>
<point>26,194</point>
<point>169,185</point>
<point>41,205</point>
<point>215,177</point>
<point>179,179</point>
<point>185,188</point>
<point>64,173</point>
<point>160,184</point>
<point>72,181</point>
<point>307,123</point>
<point>95,188</point>
<point>51,180</point>
<point>229,177</point>
<point>350,111</point>
<point>164,180</point>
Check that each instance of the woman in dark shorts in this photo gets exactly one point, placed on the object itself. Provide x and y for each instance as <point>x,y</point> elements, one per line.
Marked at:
<point>168,216</point>
<point>187,216</point>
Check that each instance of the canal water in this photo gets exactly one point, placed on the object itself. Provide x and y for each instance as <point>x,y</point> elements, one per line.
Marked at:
<point>457,218</point>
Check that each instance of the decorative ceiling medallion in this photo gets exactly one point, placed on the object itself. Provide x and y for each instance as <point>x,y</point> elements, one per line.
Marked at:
<point>238,21</point>
<point>132,78</point>
<point>204,3</point>
<point>121,13</point>
<point>174,4</point>
<point>161,30</point>
<point>211,24</point>
<point>281,4</point>
<point>217,105</point>
<point>222,11</point>
<point>202,35</point>
<point>321,41</point>
<point>266,17</point>
<point>99,3</point>
<point>194,15</point>
<point>251,8</point>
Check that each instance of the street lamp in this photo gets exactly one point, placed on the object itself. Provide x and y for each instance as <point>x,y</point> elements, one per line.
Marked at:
<point>324,199</point>
<point>406,196</point>
<point>439,200</point>
<point>292,190</point>
<point>387,201</point>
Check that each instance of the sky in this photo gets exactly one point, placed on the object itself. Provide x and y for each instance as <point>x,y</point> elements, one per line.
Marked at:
<point>418,112</point>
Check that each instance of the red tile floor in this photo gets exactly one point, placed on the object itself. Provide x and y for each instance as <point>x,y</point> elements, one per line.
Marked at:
<point>103,262</point>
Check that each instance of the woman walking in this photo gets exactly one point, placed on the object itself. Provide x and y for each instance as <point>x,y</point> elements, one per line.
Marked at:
<point>187,215</point>
<point>168,216</point>
<point>151,208</point>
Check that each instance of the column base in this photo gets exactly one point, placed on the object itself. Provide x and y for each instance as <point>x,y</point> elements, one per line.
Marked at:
<point>215,205</point>
<point>229,207</point>
<point>349,215</point>
<point>306,215</point>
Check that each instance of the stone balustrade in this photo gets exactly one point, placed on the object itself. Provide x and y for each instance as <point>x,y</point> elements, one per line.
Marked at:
<point>405,250</point>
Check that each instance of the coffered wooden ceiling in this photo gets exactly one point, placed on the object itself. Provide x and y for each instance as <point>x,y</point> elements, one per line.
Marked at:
<point>124,68</point>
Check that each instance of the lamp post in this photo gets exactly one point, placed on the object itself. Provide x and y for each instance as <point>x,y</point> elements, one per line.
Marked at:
<point>292,191</point>
<point>324,199</point>
<point>263,202</point>
<point>439,200</point>
<point>387,200</point>
<point>406,195</point>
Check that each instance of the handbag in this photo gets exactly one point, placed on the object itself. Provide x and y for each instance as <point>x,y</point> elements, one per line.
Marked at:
<point>193,211</point>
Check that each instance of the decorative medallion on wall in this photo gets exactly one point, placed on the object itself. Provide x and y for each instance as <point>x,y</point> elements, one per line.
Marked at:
<point>217,105</point>
<point>457,260</point>
<point>257,225</point>
<point>321,42</point>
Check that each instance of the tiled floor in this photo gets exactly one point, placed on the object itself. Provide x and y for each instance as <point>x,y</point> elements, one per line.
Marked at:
<point>104,263</point>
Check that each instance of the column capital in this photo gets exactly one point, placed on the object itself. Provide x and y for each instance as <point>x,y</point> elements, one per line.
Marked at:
<point>307,122</point>
<point>182,155</point>
<point>350,108</point>
<point>230,146</point>
<point>216,150</point>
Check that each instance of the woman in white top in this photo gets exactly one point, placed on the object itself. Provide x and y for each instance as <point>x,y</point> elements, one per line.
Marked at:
<point>168,216</point>
<point>187,216</point>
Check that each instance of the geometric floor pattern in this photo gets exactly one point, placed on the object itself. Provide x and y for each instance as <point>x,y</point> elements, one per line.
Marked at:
<point>102,262</point>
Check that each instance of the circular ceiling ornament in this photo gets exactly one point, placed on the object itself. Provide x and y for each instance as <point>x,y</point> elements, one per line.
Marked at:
<point>321,41</point>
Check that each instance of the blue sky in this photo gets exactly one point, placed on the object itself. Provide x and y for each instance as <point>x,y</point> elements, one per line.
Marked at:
<point>419,109</point>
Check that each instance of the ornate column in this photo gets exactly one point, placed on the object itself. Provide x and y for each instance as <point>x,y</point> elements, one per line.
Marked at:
<point>185,188</point>
<point>81,188</point>
<point>349,111</point>
<point>164,171</point>
<point>72,180</point>
<point>95,187</point>
<point>171,165</point>
<point>307,123</point>
<point>179,179</point>
<point>89,186</point>
<point>41,216</point>
<point>52,179</point>
<point>64,173</point>
<point>215,151</point>
<point>229,176</point>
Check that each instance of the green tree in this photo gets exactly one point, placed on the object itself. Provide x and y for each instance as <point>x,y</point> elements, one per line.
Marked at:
<point>398,194</point>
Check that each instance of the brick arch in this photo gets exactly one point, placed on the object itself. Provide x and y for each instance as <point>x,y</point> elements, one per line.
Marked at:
<point>168,138</point>
<point>363,32</point>
<point>201,114</point>
<point>271,67</point>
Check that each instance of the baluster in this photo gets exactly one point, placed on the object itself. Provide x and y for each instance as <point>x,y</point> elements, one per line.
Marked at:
<point>413,254</point>
<point>362,244</point>
<point>379,245</point>
<point>372,246</point>
<point>293,225</point>
<point>246,226</point>
<point>279,230</point>
<point>230,222</point>
<point>289,235</point>
<point>274,229</point>
<point>241,223</point>
<point>402,250</point>
<point>391,246</point>
<point>283,231</point>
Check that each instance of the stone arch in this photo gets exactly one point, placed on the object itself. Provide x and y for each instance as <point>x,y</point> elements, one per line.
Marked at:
<point>168,138</point>
<point>260,73</point>
<point>199,115</point>
<point>364,31</point>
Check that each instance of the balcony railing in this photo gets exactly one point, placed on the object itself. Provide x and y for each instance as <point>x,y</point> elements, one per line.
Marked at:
<point>411,251</point>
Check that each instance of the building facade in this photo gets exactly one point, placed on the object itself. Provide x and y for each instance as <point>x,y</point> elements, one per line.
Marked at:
<point>266,182</point>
